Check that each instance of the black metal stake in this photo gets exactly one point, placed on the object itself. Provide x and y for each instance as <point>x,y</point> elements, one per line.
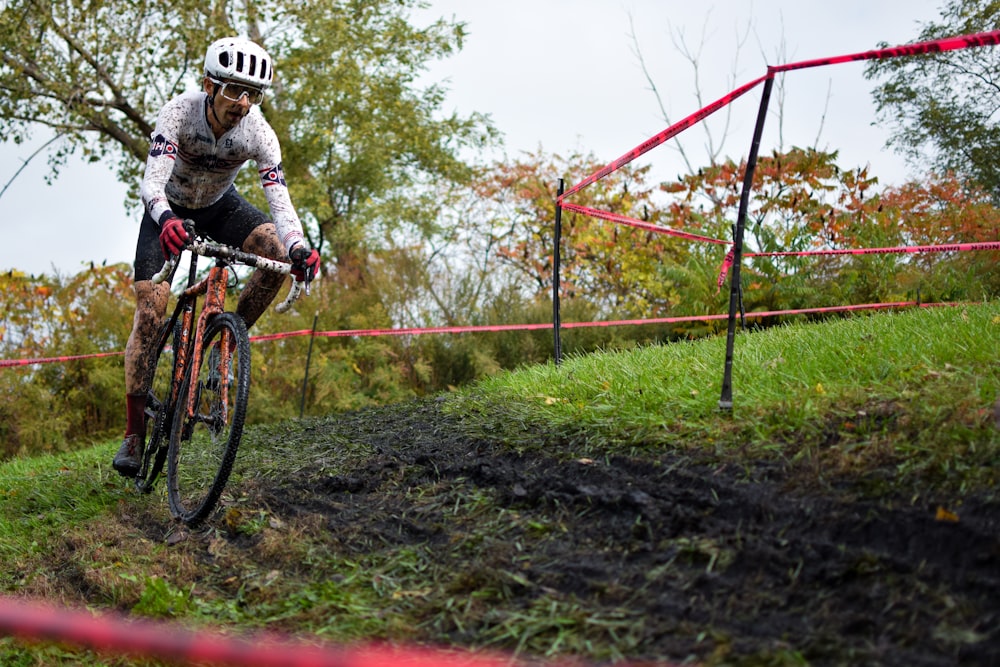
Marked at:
<point>735,290</point>
<point>305,380</point>
<point>556,322</point>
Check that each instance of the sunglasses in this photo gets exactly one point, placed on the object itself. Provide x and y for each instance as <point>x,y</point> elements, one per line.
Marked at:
<point>235,91</point>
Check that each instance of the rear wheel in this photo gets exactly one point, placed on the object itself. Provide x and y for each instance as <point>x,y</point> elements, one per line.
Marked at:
<point>159,409</point>
<point>204,439</point>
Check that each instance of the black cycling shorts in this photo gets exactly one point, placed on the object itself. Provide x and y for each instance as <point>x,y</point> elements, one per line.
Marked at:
<point>229,220</point>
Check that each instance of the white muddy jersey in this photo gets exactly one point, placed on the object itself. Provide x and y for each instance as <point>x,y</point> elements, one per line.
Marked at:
<point>188,166</point>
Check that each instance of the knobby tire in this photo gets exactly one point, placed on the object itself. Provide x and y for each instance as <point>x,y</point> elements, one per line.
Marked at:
<point>159,410</point>
<point>203,446</point>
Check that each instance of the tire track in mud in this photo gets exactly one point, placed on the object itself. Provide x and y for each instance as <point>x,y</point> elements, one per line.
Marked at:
<point>710,559</point>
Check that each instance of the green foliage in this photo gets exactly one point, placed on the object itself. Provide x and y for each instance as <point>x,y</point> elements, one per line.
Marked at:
<point>362,139</point>
<point>95,73</point>
<point>940,108</point>
<point>615,268</point>
<point>45,407</point>
<point>803,201</point>
<point>160,599</point>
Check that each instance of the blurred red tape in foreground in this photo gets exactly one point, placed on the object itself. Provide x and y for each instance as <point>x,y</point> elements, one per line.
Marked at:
<point>113,634</point>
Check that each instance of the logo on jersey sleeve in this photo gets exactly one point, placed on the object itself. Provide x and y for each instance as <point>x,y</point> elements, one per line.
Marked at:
<point>163,146</point>
<point>272,176</point>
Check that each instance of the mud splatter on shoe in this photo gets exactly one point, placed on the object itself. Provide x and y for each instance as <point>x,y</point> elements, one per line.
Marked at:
<point>129,457</point>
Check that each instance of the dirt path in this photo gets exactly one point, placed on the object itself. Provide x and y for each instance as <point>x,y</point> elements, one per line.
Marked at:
<point>695,558</point>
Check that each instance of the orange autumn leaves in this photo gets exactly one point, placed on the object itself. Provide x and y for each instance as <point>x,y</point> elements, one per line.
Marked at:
<point>802,201</point>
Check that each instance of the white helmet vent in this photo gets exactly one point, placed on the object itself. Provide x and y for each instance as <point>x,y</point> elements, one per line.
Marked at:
<point>241,60</point>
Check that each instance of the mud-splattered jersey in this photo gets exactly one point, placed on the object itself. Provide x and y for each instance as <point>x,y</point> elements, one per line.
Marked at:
<point>188,166</point>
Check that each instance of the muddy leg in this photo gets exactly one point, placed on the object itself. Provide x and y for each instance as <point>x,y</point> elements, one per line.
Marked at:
<point>150,307</point>
<point>262,286</point>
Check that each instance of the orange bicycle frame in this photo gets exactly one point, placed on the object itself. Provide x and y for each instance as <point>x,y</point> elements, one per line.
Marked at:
<point>213,286</point>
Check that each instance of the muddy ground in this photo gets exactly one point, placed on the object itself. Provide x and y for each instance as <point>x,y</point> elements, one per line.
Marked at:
<point>764,563</point>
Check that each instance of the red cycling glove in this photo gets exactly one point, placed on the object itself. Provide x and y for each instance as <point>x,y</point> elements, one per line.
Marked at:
<point>173,237</point>
<point>305,263</point>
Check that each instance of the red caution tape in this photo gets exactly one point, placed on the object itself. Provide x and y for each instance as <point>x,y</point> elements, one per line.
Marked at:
<point>936,46</point>
<point>408,331</point>
<point>4,363</point>
<point>632,222</point>
<point>671,131</point>
<point>414,331</point>
<point>727,263</point>
<point>113,634</point>
<point>276,336</point>
<point>110,633</point>
<point>755,314</point>
<point>947,247</point>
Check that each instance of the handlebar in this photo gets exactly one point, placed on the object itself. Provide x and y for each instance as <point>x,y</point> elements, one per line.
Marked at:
<point>236,256</point>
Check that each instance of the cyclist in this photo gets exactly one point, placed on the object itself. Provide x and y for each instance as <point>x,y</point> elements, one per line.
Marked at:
<point>201,141</point>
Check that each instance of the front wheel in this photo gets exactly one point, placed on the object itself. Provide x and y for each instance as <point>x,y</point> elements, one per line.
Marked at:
<point>208,420</point>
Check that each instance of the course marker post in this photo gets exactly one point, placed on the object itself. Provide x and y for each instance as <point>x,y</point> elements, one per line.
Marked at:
<point>556,321</point>
<point>305,378</point>
<point>735,289</point>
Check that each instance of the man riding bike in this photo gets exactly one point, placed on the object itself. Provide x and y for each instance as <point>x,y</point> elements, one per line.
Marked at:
<point>201,141</point>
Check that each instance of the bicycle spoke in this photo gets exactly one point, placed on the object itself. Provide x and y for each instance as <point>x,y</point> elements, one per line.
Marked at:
<point>209,421</point>
<point>157,409</point>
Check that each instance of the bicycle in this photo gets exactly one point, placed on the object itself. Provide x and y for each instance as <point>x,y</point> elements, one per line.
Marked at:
<point>196,406</point>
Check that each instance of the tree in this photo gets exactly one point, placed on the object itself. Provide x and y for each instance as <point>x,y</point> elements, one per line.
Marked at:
<point>804,202</point>
<point>366,145</point>
<point>95,73</point>
<point>359,133</point>
<point>940,107</point>
<point>614,267</point>
<point>713,145</point>
<point>44,407</point>
<point>795,194</point>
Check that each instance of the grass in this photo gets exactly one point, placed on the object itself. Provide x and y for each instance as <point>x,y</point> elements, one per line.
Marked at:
<point>43,495</point>
<point>914,392</point>
<point>917,388</point>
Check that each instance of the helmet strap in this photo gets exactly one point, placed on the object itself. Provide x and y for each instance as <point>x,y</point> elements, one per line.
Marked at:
<point>211,102</point>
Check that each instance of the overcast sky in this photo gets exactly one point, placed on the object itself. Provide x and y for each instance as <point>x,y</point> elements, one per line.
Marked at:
<point>561,75</point>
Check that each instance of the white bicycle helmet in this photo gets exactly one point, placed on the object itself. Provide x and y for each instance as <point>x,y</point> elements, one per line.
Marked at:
<point>239,59</point>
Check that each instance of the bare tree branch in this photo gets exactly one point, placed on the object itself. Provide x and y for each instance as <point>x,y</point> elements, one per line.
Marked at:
<point>26,162</point>
<point>120,103</point>
<point>713,146</point>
